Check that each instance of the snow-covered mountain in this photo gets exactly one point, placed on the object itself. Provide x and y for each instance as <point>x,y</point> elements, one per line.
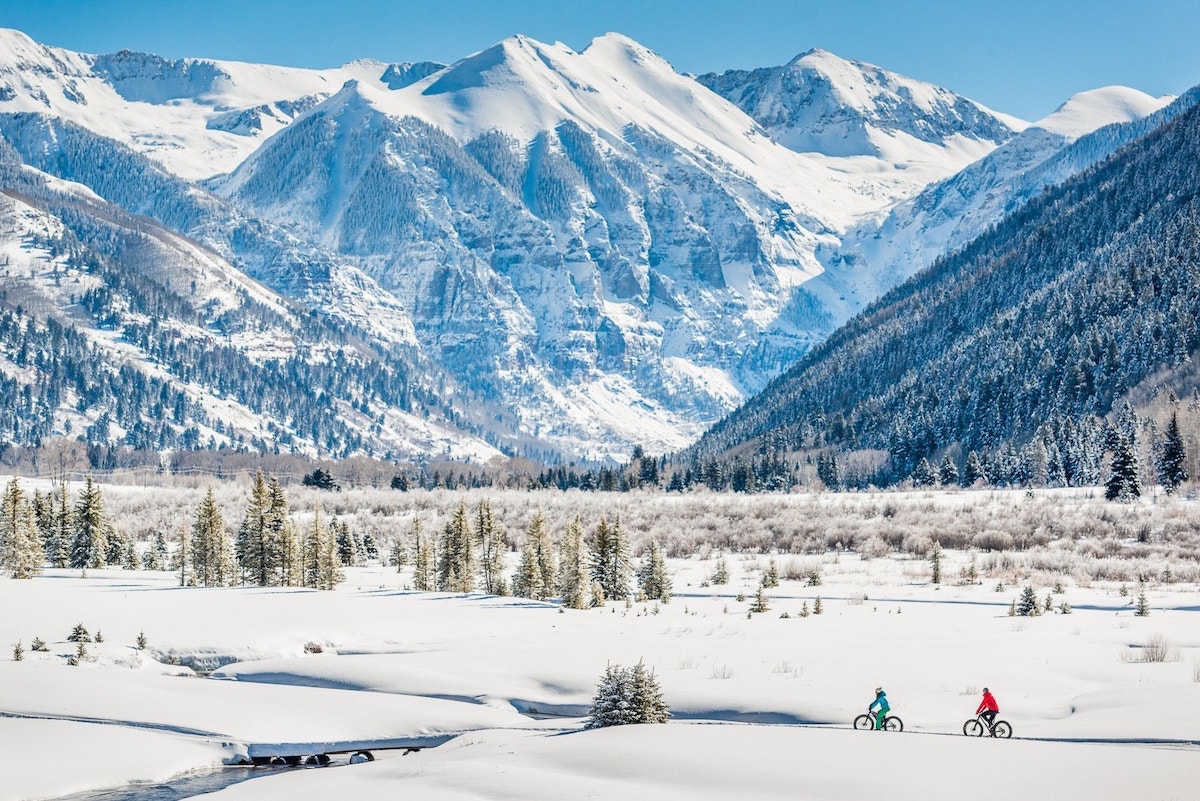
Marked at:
<point>586,250</point>
<point>878,255</point>
<point>197,117</point>
<point>914,131</point>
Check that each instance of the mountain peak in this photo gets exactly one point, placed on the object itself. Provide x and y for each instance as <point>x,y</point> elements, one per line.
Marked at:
<point>1087,111</point>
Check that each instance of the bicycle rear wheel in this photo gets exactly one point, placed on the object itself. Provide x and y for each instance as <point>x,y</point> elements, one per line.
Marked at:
<point>864,722</point>
<point>973,728</point>
<point>893,724</point>
<point>1002,729</point>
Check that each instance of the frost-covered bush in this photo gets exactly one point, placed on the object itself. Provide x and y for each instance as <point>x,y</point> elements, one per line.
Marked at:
<point>627,696</point>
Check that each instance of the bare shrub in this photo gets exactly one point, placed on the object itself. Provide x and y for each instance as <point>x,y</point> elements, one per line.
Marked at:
<point>1158,649</point>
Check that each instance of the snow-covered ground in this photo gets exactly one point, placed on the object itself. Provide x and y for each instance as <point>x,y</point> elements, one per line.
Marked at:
<point>762,702</point>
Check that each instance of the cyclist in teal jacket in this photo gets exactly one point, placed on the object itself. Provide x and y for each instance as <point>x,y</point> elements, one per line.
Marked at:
<point>880,701</point>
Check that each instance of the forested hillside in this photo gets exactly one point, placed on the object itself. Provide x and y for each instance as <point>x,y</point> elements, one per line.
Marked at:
<point>1015,347</point>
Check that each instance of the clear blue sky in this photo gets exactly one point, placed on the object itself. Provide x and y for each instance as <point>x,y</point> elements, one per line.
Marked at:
<point>1023,57</point>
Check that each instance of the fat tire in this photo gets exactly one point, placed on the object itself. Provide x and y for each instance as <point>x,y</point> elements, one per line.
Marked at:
<point>1002,729</point>
<point>864,722</point>
<point>973,728</point>
<point>893,724</point>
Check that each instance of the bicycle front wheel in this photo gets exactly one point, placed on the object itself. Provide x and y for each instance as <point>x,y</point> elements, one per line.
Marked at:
<point>973,728</point>
<point>864,722</point>
<point>893,724</point>
<point>1002,729</point>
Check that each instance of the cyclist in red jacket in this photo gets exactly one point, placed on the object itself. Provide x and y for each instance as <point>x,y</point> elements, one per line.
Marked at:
<point>989,708</point>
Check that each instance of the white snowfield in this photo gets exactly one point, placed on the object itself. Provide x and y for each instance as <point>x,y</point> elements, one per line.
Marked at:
<point>761,703</point>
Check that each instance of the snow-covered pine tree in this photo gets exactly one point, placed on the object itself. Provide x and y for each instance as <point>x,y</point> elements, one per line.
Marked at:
<point>1028,605</point>
<point>1142,606</point>
<point>345,545</point>
<point>611,705</point>
<point>771,576</point>
<point>21,549</point>
<point>320,557</point>
<point>282,544</point>
<point>293,559</point>
<point>924,475</point>
<point>653,579</point>
<point>155,557</point>
<point>398,555</point>
<point>646,696</point>
<point>92,529</point>
<point>935,563</point>
<point>1171,464</point>
<point>329,567</point>
<point>760,602</point>
<point>492,544</point>
<point>424,562</point>
<point>948,472</point>
<point>720,573</point>
<point>211,551</point>
<point>1123,483</point>
<point>251,549</point>
<point>527,581</point>
<point>574,579</point>
<point>610,561</point>
<point>183,557</point>
<point>456,555</point>
<point>975,473</point>
<point>57,526</point>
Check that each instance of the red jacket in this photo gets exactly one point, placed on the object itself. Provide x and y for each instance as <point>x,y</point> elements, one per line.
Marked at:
<point>988,702</point>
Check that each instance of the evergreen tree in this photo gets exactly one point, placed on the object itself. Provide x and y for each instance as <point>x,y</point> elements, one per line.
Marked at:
<point>574,579</point>
<point>156,556</point>
<point>492,544</point>
<point>611,565</point>
<point>1123,482</point>
<point>456,555</point>
<point>720,572</point>
<point>948,472</point>
<point>611,705</point>
<point>253,554</point>
<point>827,470</point>
<point>424,568</point>
<point>935,562</point>
<point>646,697</point>
<point>771,576</point>
<point>291,552</point>
<point>1171,464</point>
<point>1028,605</point>
<point>1142,608</point>
<point>627,696</point>
<point>398,554</point>
<point>976,473</point>
<point>92,529</point>
<point>211,552</point>
<point>21,548</point>
<point>51,513</point>
<point>322,563</point>
<point>817,607</point>
<point>183,557</point>
<point>536,571</point>
<point>653,579</point>
<point>924,475</point>
<point>527,581</point>
<point>760,602</point>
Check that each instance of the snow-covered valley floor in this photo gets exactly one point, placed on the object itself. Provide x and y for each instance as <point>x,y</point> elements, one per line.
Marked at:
<point>761,703</point>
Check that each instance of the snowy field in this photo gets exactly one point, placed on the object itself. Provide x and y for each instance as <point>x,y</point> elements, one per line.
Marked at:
<point>761,703</point>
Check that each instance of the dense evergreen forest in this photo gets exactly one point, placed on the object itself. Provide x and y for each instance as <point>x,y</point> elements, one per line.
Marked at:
<point>1008,356</point>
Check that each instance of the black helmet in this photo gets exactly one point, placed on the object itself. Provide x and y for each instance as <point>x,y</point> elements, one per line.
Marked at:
<point>985,689</point>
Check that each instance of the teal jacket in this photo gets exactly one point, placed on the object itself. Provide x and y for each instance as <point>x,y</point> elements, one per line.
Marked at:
<point>882,702</point>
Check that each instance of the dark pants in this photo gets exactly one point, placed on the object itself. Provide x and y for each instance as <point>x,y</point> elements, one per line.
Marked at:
<point>990,716</point>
